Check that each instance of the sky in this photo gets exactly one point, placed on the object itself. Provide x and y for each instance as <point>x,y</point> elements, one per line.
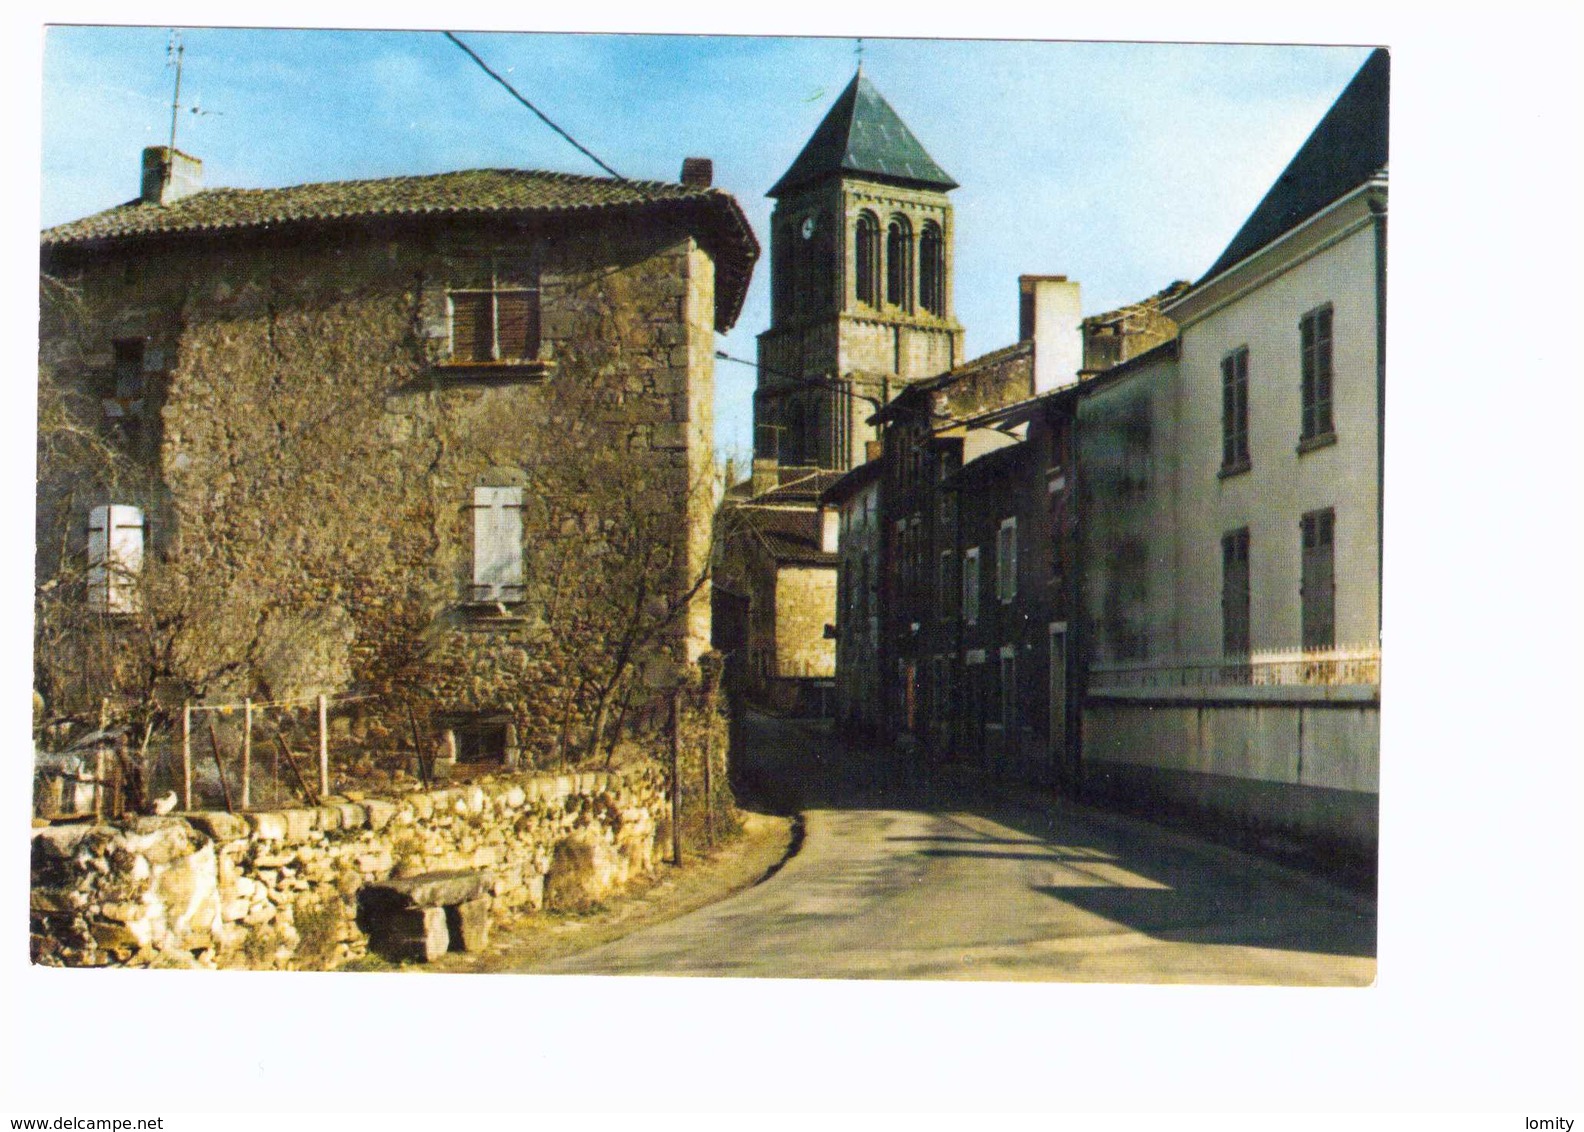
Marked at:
<point>1122,165</point>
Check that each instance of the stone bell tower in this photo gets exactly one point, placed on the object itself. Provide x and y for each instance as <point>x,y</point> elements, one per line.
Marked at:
<point>861,283</point>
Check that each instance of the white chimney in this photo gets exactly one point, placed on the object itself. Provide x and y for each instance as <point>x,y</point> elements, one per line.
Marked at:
<point>830,529</point>
<point>169,174</point>
<point>1051,313</point>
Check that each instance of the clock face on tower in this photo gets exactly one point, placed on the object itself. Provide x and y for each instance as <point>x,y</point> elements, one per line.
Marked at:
<point>808,227</point>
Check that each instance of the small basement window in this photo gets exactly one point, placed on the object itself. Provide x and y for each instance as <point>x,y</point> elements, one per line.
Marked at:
<point>480,740</point>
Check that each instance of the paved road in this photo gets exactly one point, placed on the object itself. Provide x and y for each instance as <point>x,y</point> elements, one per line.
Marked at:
<point>911,881</point>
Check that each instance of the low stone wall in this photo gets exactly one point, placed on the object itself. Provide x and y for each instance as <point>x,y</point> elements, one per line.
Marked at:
<point>279,890</point>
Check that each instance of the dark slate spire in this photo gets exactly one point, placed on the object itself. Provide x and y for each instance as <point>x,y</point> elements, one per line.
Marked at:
<point>1347,148</point>
<point>863,135</point>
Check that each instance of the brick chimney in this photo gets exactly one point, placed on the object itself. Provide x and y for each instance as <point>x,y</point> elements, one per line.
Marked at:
<point>169,175</point>
<point>1050,312</point>
<point>698,172</point>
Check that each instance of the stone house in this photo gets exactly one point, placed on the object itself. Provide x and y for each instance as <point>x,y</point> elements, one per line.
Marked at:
<point>436,439</point>
<point>777,573</point>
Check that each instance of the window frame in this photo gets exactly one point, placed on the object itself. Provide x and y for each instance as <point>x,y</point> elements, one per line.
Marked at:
<point>532,316</point>
<point>970,586</point>
<point>1235,412</point>
<point>1236,587</point>
<point>1317,368</point>
<point>1317,549</point>
<point>1007,561</point>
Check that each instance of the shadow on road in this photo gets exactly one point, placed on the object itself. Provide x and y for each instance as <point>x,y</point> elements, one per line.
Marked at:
<point>1158,883</point>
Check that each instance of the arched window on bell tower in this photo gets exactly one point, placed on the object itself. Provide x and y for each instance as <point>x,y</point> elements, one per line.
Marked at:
<point>932,269</point>
<point>899,263</point>
<point>866,258</point>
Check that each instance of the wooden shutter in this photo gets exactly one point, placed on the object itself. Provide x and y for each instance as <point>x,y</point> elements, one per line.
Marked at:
<point>472,327</point>
<point>497,544</point>
<point>115,557</point>
<point>1235,593</point>
<point>517,315</point>
<point>1318,594</point>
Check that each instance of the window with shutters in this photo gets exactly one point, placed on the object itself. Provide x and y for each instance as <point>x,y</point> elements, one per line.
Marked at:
<point>497,545</point>
<point>496,325</point>
<point>1006,561</point>
<point>1317,595</point>
<point>1009,691</point>
<point>1314,343</point>
<point>970,602</point>
<point>1234,412</point>
<point>1235,592</point>
<point>115,557</point>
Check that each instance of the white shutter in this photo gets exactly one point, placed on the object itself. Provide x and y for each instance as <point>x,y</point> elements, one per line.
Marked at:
<point>497,544</point>
<point>115,557</point>
<point>1006,560</point>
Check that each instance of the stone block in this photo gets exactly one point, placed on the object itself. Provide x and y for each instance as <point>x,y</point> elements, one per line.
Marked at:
<point>353,815</point>
<point>327,818</point>
<point>299,824</point>
<point>379,813</point>
<point>58,841</point>
<point>427,890</point>
<point>469,924</point>
<point>268,826</point>
<point>218,825</point>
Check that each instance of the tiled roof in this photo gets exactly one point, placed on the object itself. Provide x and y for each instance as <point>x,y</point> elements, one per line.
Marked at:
<point>788,534</point>
<point>862,134</point>
<point>1347,148</point>
<point>470,193</point>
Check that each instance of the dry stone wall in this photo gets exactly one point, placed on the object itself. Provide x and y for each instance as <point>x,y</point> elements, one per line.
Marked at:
<point>279,889</point>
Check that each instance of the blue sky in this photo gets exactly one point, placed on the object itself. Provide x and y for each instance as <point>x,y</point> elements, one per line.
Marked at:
<point>1124,166</point>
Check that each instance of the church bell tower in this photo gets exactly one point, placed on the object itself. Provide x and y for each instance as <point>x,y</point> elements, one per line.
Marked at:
<point>860,280</point>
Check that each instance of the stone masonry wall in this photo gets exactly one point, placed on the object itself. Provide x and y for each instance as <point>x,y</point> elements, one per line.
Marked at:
<point>312,459</point>
<point>279,890</point>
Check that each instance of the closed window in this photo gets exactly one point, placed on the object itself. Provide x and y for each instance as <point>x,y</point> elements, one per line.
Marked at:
<point>115,557</point>
<point>1009,691</point>
<point>497,544</point>
<point>943,585</point>
<point>1006,561</point>
<point>1234,410</point>
<point>970,601</point>
<point>1235,592</point>
<point>1314,340</point>
<point>1317,594</point>
<point>497,325</point>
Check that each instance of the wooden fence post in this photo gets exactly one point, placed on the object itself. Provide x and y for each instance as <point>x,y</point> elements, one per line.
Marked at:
<point>676,776</point>
<point>324,749</point>
<point>247,753</point>
<point>186,797</point>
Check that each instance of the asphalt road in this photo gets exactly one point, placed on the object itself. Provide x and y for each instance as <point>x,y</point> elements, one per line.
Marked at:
<point>917,880</point>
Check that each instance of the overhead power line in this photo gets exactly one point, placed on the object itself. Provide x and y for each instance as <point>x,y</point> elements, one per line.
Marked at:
<point>581,148</point>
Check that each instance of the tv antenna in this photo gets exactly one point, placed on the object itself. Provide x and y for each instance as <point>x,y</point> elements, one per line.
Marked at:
<point>173,58</point>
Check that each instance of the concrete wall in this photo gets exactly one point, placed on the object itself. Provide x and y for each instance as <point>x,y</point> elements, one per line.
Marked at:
<point>1302,761</point>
